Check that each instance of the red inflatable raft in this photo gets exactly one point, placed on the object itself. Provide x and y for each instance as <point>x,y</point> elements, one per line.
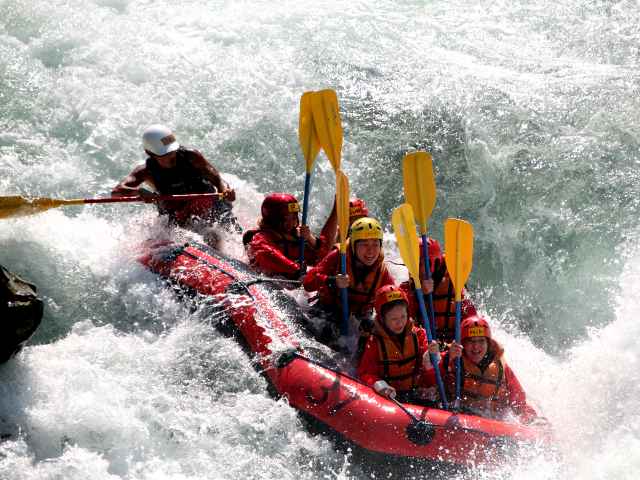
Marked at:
<point>337,402</point>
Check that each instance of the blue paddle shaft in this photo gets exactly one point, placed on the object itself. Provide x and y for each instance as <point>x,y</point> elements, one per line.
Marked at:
<point>344,297</point>
<point>305,210</point>
<point>458,335</point>
<point>427,267</point>
<point>432,356</point>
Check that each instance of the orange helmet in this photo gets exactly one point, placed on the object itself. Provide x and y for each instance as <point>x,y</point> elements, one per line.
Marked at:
<point>276,206</point>
<point>474,326</point>
<point>386,295</point>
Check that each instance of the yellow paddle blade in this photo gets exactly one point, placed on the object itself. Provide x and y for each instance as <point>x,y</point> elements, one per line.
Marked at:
<point>307,131</point>
<point>342,205</point>
<point>326,118</point>
<point>458,246</point>
<point>419,186</point>
<point>404,226</point>
<point>12,207</point>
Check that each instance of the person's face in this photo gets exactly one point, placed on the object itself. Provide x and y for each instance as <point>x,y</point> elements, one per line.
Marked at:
<point>475,348</point>
<point>368,251</point>
<point>166,161</point>
<point>396,318</point>
<point>290,221</point>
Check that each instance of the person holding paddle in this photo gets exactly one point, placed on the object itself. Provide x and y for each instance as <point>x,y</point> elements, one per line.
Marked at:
<point>172,169</point>
<point>396,354</point>
<point>357,209</point>
<point>366,272</point>
<point>274,247</point>
<point>489,386</point>
<point>440,286</point>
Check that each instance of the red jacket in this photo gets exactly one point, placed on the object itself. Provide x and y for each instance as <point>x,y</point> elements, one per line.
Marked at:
<point>361,291</point>
<point>273,253</point>
<point>516,398</point>
<point>371,368</point>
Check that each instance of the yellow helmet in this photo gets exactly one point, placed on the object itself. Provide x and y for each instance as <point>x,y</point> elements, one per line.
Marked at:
<point>363,229</point>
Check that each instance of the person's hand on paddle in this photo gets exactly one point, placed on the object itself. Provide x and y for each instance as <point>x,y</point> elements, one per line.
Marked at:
<point>147,195</point>
<point>455,351</point>
<point>229,194</point>
<point>384,389</point>
<point>434,348</point>
<point>305,232</point>
<point>427,285</point>
<point>342,280</point>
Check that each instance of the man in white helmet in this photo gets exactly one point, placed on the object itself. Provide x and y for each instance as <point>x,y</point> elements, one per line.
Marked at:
<point>172,169</point>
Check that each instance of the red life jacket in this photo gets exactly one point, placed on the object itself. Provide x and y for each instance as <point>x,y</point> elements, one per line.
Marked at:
<point>444,307</point>
<point>287,244</point>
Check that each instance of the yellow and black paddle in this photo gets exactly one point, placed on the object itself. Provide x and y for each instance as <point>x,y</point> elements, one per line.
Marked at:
<point>458,245</point>
<point>404,226</point>
<point>342,205</point>
<point>18,206</point>
<point>420,193</point>
<point>310,147</point>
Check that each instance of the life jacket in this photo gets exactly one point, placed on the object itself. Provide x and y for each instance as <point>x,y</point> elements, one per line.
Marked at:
<point>362,290</point>
<point>181,179</point>
<point>444,307</point>
<point>400,363</point>
<point>483,390</point>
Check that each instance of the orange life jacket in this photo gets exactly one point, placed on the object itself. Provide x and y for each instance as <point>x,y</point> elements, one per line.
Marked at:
<point>444,307</point>
<point>483,389</point>
<point>400,363</point>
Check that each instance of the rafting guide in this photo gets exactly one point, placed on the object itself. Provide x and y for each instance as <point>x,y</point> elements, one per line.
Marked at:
<point>172,169</point>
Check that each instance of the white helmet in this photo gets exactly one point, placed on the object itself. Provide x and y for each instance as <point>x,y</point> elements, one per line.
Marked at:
<point>159,140</point>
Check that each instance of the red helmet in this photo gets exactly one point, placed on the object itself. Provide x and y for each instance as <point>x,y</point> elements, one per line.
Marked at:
<point>388,294</point>
<point>474,326</point>
<point>434,248</point>
<point>276,206</point>
<point>357,209</point>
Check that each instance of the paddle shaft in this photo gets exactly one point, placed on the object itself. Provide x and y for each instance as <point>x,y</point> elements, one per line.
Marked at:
<point>432,356</point>
<point>427,265</point>
<point>305,210</point>
<point>185,197</point>
<point>344,297</point>
<point>404,409</point>
<point>457,401</point>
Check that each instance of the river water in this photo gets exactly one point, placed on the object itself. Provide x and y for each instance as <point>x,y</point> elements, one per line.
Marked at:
<point>530,109</point>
